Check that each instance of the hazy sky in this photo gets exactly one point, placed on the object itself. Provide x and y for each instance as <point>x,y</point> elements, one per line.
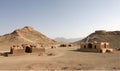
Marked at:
<point>60,18</point>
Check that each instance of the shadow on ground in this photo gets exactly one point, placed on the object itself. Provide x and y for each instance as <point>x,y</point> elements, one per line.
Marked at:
<point>78,50</point>
<point>5,54</point>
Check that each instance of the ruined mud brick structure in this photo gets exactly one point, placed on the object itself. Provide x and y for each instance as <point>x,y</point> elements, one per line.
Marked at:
<point>65,45</point>
<point>102,47</point>
<point>100,31</point>
<point>25,49</point>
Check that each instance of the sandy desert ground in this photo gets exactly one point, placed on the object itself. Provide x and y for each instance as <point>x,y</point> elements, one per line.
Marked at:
<point>62,59</point>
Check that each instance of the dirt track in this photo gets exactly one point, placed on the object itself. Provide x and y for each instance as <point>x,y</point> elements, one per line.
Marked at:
<point>63,59</point>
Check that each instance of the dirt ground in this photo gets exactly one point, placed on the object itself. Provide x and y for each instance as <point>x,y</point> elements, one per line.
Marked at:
<point>62,59</point>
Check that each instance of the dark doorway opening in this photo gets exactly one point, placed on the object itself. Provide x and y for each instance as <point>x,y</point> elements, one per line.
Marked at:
<point>95,46</point>
<point>84,46</point>
<point>89,45</point>
<point>101,51</point>
<point>28,50</point>
<point>105,45</point>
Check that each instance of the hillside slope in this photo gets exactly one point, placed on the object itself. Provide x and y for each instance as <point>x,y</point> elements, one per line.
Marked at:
<point>113,37</point>
<point>25,35</point>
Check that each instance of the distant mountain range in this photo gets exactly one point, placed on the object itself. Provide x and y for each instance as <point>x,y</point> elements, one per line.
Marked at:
<point>62,39</point>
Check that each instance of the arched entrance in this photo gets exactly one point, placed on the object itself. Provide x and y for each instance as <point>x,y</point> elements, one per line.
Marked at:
<point>89,45</point>
<point>28,50</point>
<point>95,46</point>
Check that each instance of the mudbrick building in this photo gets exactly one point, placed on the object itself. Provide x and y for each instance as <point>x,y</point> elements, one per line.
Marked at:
<point>102,47</point>
<point>26,49</point>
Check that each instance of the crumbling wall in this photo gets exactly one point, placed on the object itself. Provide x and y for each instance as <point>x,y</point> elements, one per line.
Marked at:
<point>39,51</point>
<point>22,50</point>
<point>17,50</point>
<point>100,31</point>
<point>95,47</point>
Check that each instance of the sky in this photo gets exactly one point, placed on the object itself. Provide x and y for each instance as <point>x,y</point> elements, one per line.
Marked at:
<point>60,18</point>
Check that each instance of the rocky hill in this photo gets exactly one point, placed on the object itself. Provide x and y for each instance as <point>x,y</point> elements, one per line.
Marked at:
<point>25,35</point>
<point>113,37</point>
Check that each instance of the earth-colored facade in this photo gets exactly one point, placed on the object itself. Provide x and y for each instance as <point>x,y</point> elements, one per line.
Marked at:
<point>25,49</point>
<point>102,47</point>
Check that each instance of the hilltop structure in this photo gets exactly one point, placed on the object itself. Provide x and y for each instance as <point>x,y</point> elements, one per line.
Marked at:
<point>94,46</point>
<point>112,37</point>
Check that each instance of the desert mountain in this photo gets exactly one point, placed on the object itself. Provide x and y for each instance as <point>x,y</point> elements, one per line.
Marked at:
<point>25,35</point>
<point>113,37</point>
<point>70,40</point>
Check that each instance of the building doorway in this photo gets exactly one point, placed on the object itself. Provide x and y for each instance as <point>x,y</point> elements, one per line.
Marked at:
<point>89,45</point>
<point>95,47</point>
<point>28,50</point>
<point>105,46</point>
